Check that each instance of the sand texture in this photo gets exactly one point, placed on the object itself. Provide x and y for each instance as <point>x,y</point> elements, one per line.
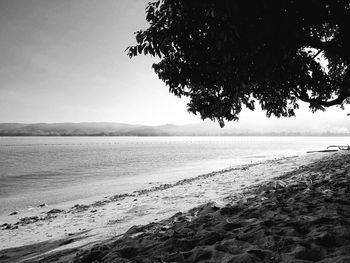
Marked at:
<point>303,215</point>
<point>304,218</point>
<point>113,215</point>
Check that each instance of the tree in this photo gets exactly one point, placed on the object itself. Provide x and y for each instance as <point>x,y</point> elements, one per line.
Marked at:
<point>224,54</point>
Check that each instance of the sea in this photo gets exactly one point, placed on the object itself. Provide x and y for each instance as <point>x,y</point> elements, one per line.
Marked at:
<point>54,170</point>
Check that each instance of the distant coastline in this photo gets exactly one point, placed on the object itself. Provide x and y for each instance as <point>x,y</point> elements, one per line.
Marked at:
<point>122,129</point>
<point>183,135</point>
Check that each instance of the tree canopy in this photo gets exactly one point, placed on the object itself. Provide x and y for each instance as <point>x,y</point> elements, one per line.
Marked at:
<point>227,54</point>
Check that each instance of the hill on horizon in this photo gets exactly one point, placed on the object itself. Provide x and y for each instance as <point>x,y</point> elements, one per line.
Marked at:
<point>123,129</point>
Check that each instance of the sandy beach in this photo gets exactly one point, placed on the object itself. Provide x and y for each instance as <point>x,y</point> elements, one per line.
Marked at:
<point>293,209</point>
<point>174,131</point>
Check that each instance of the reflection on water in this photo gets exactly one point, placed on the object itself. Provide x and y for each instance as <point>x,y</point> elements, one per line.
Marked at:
<point>57,169</point>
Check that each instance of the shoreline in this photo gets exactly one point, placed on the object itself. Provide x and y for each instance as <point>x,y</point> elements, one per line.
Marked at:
<point>301,217</point>
<point>153,180</point>
<point>206,187</point>
<point>79,175</point>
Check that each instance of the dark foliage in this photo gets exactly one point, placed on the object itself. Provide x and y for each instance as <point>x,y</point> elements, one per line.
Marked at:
<point>226,54</point>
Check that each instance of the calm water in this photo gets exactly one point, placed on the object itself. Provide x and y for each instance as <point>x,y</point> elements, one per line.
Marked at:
<point>59,169</point>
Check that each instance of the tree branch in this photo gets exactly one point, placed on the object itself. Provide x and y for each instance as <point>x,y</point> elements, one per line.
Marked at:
<point>323,103</point>
<point>344,93</point>
<point>330,46</point>
<point>319,51</point>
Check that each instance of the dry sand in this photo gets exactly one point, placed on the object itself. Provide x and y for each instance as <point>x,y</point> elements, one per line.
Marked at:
<point>301,216</point>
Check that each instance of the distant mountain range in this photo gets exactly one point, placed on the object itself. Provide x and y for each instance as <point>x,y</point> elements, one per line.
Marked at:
<point>122,129</point>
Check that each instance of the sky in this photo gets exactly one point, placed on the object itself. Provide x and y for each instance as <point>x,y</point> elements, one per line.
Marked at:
<point>64,61</point>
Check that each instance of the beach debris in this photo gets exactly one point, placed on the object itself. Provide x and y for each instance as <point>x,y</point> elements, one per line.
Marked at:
<point>100,203</point>
<point>79,208</point>
<point>340,147</point>
<point>28,220</point>
<point>13,213</point>
<point>56,211</point>
<point>322,151</point>
<point>33,219</point>
<point>8,226</point>
<point>119,197</point>
<point>43,205</point>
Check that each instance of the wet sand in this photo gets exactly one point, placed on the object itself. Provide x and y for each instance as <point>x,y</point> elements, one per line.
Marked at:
<point>303,215</point>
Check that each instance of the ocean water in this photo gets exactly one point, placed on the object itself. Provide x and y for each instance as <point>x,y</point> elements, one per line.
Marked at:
<point>54,170</point>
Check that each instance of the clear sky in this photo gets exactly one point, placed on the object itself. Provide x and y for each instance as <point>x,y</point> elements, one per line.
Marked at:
<point>64,61</point>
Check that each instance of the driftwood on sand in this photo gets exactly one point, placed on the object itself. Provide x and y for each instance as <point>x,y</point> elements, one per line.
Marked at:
<point>340,147</point>
<point>322,151</point>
